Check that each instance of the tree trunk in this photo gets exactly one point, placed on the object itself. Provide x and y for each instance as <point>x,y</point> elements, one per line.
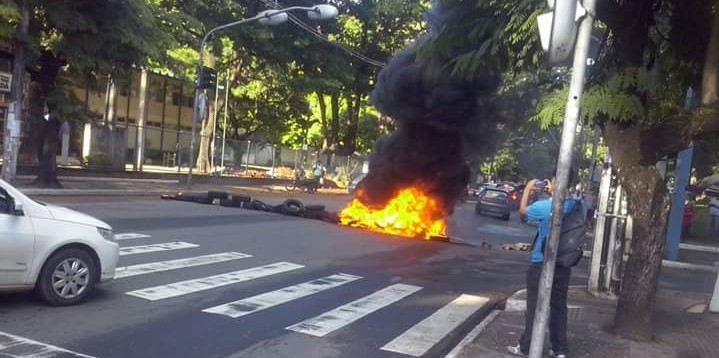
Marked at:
<point>649,205</point>
<point>46,131</point>
<point>710,77</point>
<point>323,121</point>
<point>47,154</point>
<point>350,140</point>
<point>205,149</point>
<point>335,124</point>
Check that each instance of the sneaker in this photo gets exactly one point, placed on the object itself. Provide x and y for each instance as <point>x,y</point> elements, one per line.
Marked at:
<point>556,355</point>
<point>517,351</point>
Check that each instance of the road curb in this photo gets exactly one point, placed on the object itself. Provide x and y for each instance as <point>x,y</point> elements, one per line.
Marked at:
<point>107,179</point>
<point>90,192</point>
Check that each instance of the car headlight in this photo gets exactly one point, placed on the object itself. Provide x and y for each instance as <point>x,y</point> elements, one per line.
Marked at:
<point>106,234</point>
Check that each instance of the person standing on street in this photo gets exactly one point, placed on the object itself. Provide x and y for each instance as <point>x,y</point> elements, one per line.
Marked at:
<point>541,212</point>
<point>714,217</point>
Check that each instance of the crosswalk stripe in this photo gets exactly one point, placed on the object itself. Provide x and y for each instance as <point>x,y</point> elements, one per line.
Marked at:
<point>167,246</point>
<point>270,299</point>
<point>419,339</point>
<point>160,266</point>
<point>130,236</point>
<point>20,347</point>
<point>205,283</point>
<point>339,317</point>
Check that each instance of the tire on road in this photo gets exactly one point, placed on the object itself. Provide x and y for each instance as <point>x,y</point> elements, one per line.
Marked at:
<point>259,205</point>
<point>238,199</point>
<point>215,194</point>
<point>56,265</point>
<point>203,200</point>
<point>227,203</point>
<point>292,207</point>
<point>309,208</point>
<point>185,197</point>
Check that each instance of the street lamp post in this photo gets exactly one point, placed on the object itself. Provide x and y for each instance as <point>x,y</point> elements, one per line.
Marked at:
<point>267,17</point>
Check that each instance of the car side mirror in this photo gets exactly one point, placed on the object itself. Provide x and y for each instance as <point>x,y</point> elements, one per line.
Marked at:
<point>16,208</point>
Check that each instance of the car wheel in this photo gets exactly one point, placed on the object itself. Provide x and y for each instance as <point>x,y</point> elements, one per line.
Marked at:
<point>477,210</point>
<point>67,277</point>
<point>506,217</point>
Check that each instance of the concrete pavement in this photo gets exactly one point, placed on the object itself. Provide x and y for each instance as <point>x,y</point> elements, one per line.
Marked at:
<point>208,281</point>
<point>678,333</point>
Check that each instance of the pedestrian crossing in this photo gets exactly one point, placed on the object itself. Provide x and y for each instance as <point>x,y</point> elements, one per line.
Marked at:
<point>417,340</point>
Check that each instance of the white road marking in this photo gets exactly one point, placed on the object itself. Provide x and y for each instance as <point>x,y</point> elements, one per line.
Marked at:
<point>19,347</point>
<point>143,249</point>
<point>160,266</point>
<point>419,339</point>
<point>471,336</point>
<point>206,283</point>
<point>130,236</point>
<point>339,317</point>
<point>270,299</point>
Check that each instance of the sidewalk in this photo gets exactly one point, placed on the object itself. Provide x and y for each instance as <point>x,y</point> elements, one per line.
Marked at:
<point>108,186</point>
<point>679,334</point>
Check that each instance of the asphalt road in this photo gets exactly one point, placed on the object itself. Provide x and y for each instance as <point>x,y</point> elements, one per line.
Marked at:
<point>272,287</point>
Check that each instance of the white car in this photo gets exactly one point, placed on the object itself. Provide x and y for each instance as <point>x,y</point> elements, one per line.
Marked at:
<point>60,253</point>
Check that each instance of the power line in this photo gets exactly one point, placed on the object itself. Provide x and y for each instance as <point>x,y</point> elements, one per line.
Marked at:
<point>321,36</point>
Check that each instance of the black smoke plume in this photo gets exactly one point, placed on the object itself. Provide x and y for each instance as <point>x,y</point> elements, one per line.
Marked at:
<point>436,114</point>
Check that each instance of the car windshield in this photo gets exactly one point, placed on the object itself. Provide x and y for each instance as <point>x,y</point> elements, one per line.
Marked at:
<point>495,194</point>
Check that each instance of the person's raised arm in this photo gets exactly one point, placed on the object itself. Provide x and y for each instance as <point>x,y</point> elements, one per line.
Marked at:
<point>524,203</point>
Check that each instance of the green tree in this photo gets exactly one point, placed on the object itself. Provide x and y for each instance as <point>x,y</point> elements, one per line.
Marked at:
<point>78,38</point>
<point>654,50</point>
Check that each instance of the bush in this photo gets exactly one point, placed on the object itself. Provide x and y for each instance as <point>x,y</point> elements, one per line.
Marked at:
<point>101,160</point>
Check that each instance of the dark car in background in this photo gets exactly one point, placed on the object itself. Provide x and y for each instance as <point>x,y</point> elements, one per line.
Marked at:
<point>495,202</point>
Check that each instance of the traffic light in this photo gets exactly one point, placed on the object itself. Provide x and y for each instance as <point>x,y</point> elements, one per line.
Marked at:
<point>207,78</point>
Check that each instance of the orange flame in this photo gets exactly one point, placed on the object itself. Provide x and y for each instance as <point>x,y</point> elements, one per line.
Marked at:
<point>411,213</point>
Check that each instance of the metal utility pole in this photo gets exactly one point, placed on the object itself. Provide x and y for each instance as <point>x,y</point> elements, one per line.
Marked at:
<point>224,120</point>
<point>13,124</point>
<point>566,149</point>
<point>595,268</point>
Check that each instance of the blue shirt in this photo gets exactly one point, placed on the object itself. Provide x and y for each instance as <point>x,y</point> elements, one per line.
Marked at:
<point>541,211</point>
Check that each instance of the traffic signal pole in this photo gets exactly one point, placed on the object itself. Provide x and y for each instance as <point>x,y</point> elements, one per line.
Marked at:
<point>564,163</point>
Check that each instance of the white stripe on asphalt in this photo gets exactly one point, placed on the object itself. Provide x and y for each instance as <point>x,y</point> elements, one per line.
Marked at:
<point>419,339</point>
<point>206,283</point>
<point>270,299</point>
<point>130,236</point>
<point>471,336</point>
<point>160,266</point>
<point>19,347</point>
<point>167,246</point>
<point>341,316</point>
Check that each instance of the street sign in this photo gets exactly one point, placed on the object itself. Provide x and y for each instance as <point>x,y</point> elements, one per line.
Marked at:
<point>5,82</point>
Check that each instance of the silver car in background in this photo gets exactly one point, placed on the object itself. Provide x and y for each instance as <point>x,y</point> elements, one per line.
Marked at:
<point>494,202</point>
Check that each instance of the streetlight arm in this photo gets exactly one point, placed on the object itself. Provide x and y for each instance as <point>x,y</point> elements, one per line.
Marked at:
<point>264,15</point>
<point>255,18</point>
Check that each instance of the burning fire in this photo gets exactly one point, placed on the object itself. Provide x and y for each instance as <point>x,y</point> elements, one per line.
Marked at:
<point>411,213</point>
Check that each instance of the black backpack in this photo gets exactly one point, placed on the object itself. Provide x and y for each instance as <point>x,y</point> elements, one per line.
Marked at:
<point>572,237</point>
